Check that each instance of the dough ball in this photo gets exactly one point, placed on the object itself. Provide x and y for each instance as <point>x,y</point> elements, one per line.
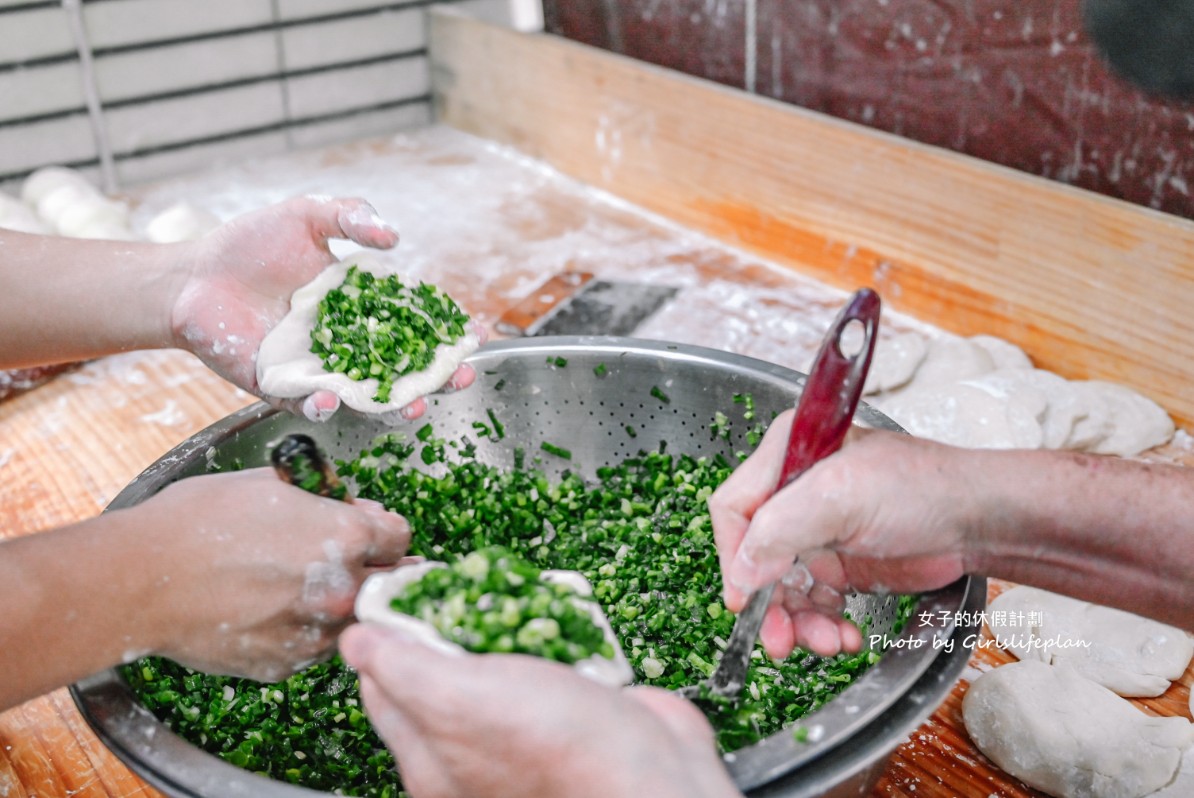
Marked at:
<point>1005,354</point>
<point>287,368</point>
<point>1128,654</point>
<point>967,415</point>
<point>895,361</point>
<point>1070,737</point>
<point>52,206</point>
<point>1138,423</point>
<point>43,182</point>
<point>182,221</point>
<point>16,215</point>
<point>106,231</point>
<point>91,213</point>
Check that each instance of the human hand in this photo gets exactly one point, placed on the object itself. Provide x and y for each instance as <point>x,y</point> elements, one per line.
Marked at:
<point>242,274</point>
<point>885,513</point>
<point>512,726</point>
<point>254,577</point>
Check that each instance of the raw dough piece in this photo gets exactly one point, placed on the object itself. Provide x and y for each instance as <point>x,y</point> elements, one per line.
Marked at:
<point>52,206</point>
<point>373,606</point>
<point>287,368</point>
<point>1062,408</point>
<point>1070,737</point>
<point>1005,354</point>
<point>1094,427</point>
<point>182,221</point>
<point>967,415</point>
<point>1128,654</point>
<point>91,213</point>
<point>1139,422</point>
<point>1182,785</point>
<point>16,215</point>
<point>895,361</point>
<point>48,179</point>
<point>950,360</point>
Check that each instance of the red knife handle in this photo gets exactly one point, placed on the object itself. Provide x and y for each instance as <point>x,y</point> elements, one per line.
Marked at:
<point>831,392</point>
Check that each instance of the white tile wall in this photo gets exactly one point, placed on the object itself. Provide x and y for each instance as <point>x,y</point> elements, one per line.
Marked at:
<point>65,140</point>
<point>356,126</point>
<point>34,33</point>
<point>194,116</point>
<point>498,12</point>
<point>353,39</point>
<point>159,70</point>
<point>304,9</point>
<point>346,89</point>
<point>160,165</point>
<point>38,90</point>
<point>120,22</point>
<point>181,83</point>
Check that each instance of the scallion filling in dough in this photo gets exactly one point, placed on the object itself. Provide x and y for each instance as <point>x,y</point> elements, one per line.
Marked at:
<point>491,601</point>
<point>382,328</point>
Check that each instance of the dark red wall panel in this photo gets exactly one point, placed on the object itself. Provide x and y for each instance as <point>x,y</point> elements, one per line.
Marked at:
<point>1016,83</point>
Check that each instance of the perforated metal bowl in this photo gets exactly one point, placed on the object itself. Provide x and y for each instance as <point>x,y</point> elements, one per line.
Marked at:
<point>539,399</point>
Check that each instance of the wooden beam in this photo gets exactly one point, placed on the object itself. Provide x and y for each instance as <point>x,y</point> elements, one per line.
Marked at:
<point>1091,287</point>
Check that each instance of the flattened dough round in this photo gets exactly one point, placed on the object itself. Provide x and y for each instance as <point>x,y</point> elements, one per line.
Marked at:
<point>1005,354</point>
<point>287,368</point>
<point>950,360</point>
<point>966,415</point>
<point>1128,654</point>
<point>1138,422</point>
<point>1070,737</point>
<point>895,361</point>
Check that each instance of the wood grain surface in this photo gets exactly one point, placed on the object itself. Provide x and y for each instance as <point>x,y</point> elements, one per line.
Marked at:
<point>68,447</point>
<point>1094,287</point>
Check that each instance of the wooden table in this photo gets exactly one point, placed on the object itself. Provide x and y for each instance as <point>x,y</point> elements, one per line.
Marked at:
<point>68,447</point>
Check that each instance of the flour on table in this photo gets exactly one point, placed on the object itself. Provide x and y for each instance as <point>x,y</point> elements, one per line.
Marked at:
<point>1128,654</point>
<point>1069,737</point>
<point>287,368</point>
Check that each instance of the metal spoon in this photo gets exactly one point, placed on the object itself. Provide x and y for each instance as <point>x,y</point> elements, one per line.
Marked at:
<point>823,414</point>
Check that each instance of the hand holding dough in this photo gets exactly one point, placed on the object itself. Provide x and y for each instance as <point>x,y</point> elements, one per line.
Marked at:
<point>287,368</point>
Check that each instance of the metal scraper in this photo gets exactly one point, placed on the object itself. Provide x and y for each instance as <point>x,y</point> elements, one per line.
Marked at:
<point>575,303</point>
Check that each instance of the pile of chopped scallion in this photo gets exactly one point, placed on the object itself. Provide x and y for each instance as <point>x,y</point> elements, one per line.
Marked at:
<point>381,328</point>
<point>640,534</point>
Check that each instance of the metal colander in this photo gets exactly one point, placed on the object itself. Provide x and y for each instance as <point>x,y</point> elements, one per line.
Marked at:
<point>582,393</point>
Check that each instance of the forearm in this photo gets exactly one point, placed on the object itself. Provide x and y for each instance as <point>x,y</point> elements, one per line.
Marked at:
<point>70,299</point>
<point>1106,530</point>
<point>72,600</point>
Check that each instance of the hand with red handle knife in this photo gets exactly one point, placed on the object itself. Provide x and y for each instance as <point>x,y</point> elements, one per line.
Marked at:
<point>889,512</point>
